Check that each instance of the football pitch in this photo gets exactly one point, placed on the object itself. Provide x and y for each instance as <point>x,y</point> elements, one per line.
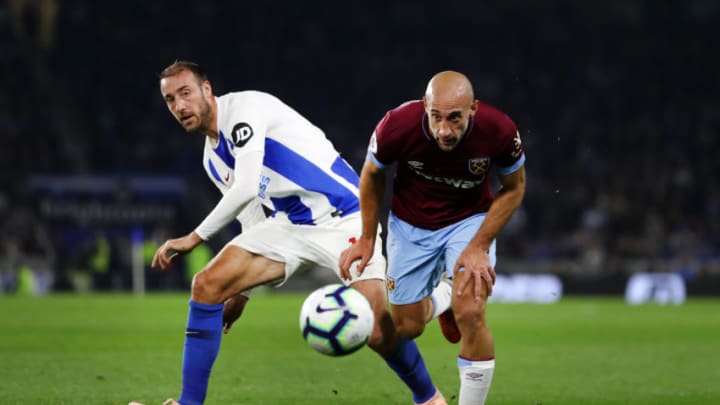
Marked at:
<point>110,349</point>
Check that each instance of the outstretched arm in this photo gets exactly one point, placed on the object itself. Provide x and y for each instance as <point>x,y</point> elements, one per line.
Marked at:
<point>372,191</point>
<point>242,192</point>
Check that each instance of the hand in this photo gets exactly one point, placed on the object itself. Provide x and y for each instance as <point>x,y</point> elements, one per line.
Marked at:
<point>169,250</point>
<point>362,250</point>
<point>232,310</point>
<point>478,270</point>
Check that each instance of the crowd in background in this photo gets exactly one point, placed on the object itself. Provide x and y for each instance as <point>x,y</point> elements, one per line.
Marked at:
<point>618,105</point>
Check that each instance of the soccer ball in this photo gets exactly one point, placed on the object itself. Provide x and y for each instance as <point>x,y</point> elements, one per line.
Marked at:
<point>336,320</point>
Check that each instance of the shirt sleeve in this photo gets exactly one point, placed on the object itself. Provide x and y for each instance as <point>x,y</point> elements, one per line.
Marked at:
<point>511,155</point>
<point>247,125</point>
<point>382,142</point>
<point>239,196</point>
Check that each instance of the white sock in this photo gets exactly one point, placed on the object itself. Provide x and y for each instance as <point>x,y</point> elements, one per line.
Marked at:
<point>441,296</point>
<point>475,378</point>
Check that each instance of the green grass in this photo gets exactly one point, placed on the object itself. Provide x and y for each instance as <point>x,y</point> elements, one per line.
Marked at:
<point>109,349</point>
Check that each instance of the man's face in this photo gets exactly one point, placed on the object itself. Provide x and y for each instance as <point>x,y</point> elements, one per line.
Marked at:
<point>188,100</point>
<point>448,120</point>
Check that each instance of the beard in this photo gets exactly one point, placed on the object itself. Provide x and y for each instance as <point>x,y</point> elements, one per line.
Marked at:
<point>449,143</point>
<point>203,118</point>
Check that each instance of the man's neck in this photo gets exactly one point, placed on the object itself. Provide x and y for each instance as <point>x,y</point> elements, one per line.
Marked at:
<point>212,130</point>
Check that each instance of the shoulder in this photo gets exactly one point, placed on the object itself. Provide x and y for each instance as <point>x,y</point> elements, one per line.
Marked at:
<point>246,98</point>
<point>404,118</point>
<point>502,134</point>
<point>250,106</point>
<point>244,116</point>
<point>491,120</point>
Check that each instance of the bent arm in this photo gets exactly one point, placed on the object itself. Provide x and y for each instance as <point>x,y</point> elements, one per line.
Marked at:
<point>372,192</point>
<point>506,202</point>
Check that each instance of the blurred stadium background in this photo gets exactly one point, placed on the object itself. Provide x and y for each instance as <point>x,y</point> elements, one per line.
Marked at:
<point>618,104</point>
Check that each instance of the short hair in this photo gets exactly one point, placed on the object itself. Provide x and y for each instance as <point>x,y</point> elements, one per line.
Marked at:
<point>180,65</point>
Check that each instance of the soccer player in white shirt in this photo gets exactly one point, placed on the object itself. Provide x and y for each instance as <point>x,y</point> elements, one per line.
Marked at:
<point>263,154</point>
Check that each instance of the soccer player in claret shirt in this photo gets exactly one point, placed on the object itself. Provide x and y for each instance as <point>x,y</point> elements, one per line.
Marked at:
<point>444,219</point>
<point>264,156</point>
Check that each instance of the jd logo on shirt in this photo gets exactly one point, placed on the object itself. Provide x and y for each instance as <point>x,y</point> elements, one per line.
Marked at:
<point>241,133</point>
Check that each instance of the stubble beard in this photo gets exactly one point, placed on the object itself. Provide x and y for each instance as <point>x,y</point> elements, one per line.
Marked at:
<point>203,118</point>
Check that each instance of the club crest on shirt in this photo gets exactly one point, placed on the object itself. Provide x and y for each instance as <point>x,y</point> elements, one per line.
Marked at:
<point>390,284</point>
<point>479,165</point>
<point>241,133</point>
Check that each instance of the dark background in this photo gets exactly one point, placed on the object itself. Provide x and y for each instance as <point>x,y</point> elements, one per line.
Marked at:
<point>618,105</point>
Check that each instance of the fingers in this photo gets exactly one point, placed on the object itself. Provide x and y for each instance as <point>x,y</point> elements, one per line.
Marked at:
<point>164,256</point>
<point>345,263</point>
<point>170,253</point>
<point>463,283</point>
<point>361,266</point>
<point>477,278</point>
<point>488,280</point>
<point>345,270</point>
<point>350,256</point>
<point>155,262</point>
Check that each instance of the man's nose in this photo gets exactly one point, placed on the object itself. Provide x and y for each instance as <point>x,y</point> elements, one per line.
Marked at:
<point>179,106</point>
<point>444,128</point>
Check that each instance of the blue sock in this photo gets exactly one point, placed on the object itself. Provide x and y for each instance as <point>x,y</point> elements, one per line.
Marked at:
<point>409,365</point>
<point>202,343</point>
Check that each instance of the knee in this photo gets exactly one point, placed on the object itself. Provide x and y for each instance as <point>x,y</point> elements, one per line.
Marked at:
<point>409,328</point>
<point>470,314</point>
<point>377,341</point>
<point>382,339</point>
<point>204,290</point>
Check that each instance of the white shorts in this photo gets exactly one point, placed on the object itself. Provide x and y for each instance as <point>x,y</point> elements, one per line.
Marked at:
<point>302,247</point>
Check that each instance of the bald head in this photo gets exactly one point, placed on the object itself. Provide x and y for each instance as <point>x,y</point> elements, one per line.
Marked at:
<point>449,104</point>
<point>449,87</point>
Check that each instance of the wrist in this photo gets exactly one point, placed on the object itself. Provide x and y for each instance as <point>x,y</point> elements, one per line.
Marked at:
<point>483,246</point>
<point>195,238</point>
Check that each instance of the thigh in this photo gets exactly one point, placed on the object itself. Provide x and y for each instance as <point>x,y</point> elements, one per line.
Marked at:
<point>330,240</point>
<point>302,247</point>
<point>410,319</point>
<point>459,236</point>
<point>413,258</point>
<point>277,242</point>
<point>235,269</point>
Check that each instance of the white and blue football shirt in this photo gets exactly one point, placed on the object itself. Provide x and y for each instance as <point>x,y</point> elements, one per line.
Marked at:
<point>268,152</point>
